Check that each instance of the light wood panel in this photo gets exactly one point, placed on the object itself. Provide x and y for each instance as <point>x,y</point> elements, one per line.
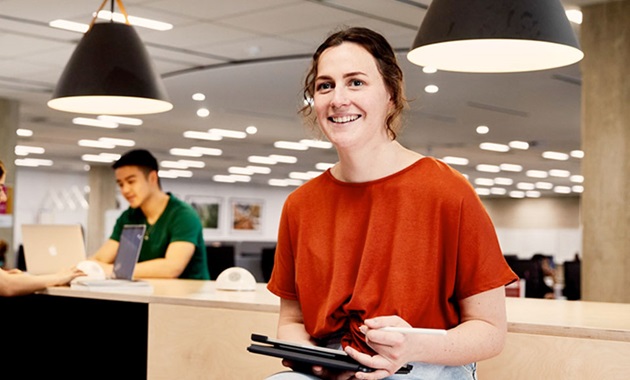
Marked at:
<point>190,342</point>
<point>531,356</point>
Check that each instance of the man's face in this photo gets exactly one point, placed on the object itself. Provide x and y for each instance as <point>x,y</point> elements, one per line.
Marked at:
<point>134,184</point>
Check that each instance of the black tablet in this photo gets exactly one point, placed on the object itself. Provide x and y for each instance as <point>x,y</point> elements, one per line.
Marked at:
<point>313,355</point>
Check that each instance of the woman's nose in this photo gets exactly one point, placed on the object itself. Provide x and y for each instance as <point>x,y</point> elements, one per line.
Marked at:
<point>340,98</point>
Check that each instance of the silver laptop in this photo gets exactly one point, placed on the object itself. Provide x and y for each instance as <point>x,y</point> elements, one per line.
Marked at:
<point>49,248</point>
<point>131,239</point>
<point>129,247</point>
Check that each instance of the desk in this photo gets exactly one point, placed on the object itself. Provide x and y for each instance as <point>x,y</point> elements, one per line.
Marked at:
<point>187,329</point>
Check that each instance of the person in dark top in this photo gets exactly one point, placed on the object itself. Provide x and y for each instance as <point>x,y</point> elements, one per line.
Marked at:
<point>173,244</point>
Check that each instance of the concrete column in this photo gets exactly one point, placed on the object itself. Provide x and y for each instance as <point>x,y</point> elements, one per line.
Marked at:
<point>9,119</point>
<point>102,197</point>
<point>605,40</point>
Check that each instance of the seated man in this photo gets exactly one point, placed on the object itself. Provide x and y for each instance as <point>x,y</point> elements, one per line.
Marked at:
<point>173,244</point>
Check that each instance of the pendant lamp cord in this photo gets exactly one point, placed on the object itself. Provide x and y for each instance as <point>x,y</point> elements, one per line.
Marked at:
<point>120,5</point>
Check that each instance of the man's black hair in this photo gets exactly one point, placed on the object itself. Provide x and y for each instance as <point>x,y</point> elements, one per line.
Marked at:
<point>137,157</point>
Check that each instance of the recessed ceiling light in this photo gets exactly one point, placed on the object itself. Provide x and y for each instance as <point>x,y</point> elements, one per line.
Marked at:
<point>251,130</point>
<point>203,112</point>
<point>431,89</point>
<point>482,129</point>
<point>198,96</point>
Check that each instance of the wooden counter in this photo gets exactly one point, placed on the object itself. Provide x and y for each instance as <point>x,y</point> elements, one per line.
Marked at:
<point>554,339</point>
<point>191,330</point>
<point>198,332</point>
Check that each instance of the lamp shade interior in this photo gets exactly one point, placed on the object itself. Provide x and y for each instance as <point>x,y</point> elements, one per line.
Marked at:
<point>110,72</point>
<point>495,36</point>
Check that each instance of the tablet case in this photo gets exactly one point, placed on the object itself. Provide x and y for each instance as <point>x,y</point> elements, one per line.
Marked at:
<point>313,355</point>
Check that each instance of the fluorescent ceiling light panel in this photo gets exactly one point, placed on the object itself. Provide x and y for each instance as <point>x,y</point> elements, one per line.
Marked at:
<point>117,142</point>
<point>228,133</point>
<point>290,145</point>
<point>207,151</point>
<point>94,122</point>
<point>121,119</point>
<point>284,159</point>
<point>134,20</point>
<point>185,152</point>
<point>494,147</point>
<point>96,144</point>
<point>558,156</point>
<point>202,136</point>
<point>455,160</point>
<point>316,143</point>
<point>511,168</point>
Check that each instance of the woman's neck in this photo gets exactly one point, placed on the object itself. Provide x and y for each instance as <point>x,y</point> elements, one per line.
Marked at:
<point>369,165</point>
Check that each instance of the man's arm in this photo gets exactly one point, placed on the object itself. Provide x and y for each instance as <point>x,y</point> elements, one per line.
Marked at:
<point>106,255</point>
<point>177,257</point>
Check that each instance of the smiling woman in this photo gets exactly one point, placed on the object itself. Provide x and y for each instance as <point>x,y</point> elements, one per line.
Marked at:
<point>378,228</point>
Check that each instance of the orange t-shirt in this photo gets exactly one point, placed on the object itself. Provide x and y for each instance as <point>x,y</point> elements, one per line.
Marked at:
<point>411,244</point>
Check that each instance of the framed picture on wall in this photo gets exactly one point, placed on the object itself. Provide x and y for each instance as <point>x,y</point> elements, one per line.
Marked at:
<point>246,215</point>
<point>208,209</point>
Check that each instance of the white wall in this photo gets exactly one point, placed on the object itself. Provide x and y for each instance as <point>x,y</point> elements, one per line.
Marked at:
<point>551,226</point>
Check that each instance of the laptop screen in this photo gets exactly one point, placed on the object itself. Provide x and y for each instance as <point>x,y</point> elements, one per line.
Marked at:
<point>131,240</point>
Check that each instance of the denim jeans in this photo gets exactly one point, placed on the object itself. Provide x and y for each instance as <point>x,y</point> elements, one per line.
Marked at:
<point>420,371</point>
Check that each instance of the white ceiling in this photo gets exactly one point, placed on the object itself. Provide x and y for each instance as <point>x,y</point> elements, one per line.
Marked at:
<point>249,58</point>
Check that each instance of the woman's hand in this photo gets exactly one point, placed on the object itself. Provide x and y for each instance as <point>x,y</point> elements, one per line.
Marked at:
<point>393,348</point>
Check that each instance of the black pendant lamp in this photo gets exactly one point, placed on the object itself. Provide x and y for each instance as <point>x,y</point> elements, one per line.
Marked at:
<point>495,36</point>
<point>110,72</point>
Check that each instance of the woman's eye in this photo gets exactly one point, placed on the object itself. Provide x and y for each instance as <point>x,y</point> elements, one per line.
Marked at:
<point>356,83</point>
<point>324,86</point>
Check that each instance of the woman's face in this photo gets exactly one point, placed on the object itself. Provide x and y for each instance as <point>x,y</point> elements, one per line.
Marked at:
<point>350,99</point>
